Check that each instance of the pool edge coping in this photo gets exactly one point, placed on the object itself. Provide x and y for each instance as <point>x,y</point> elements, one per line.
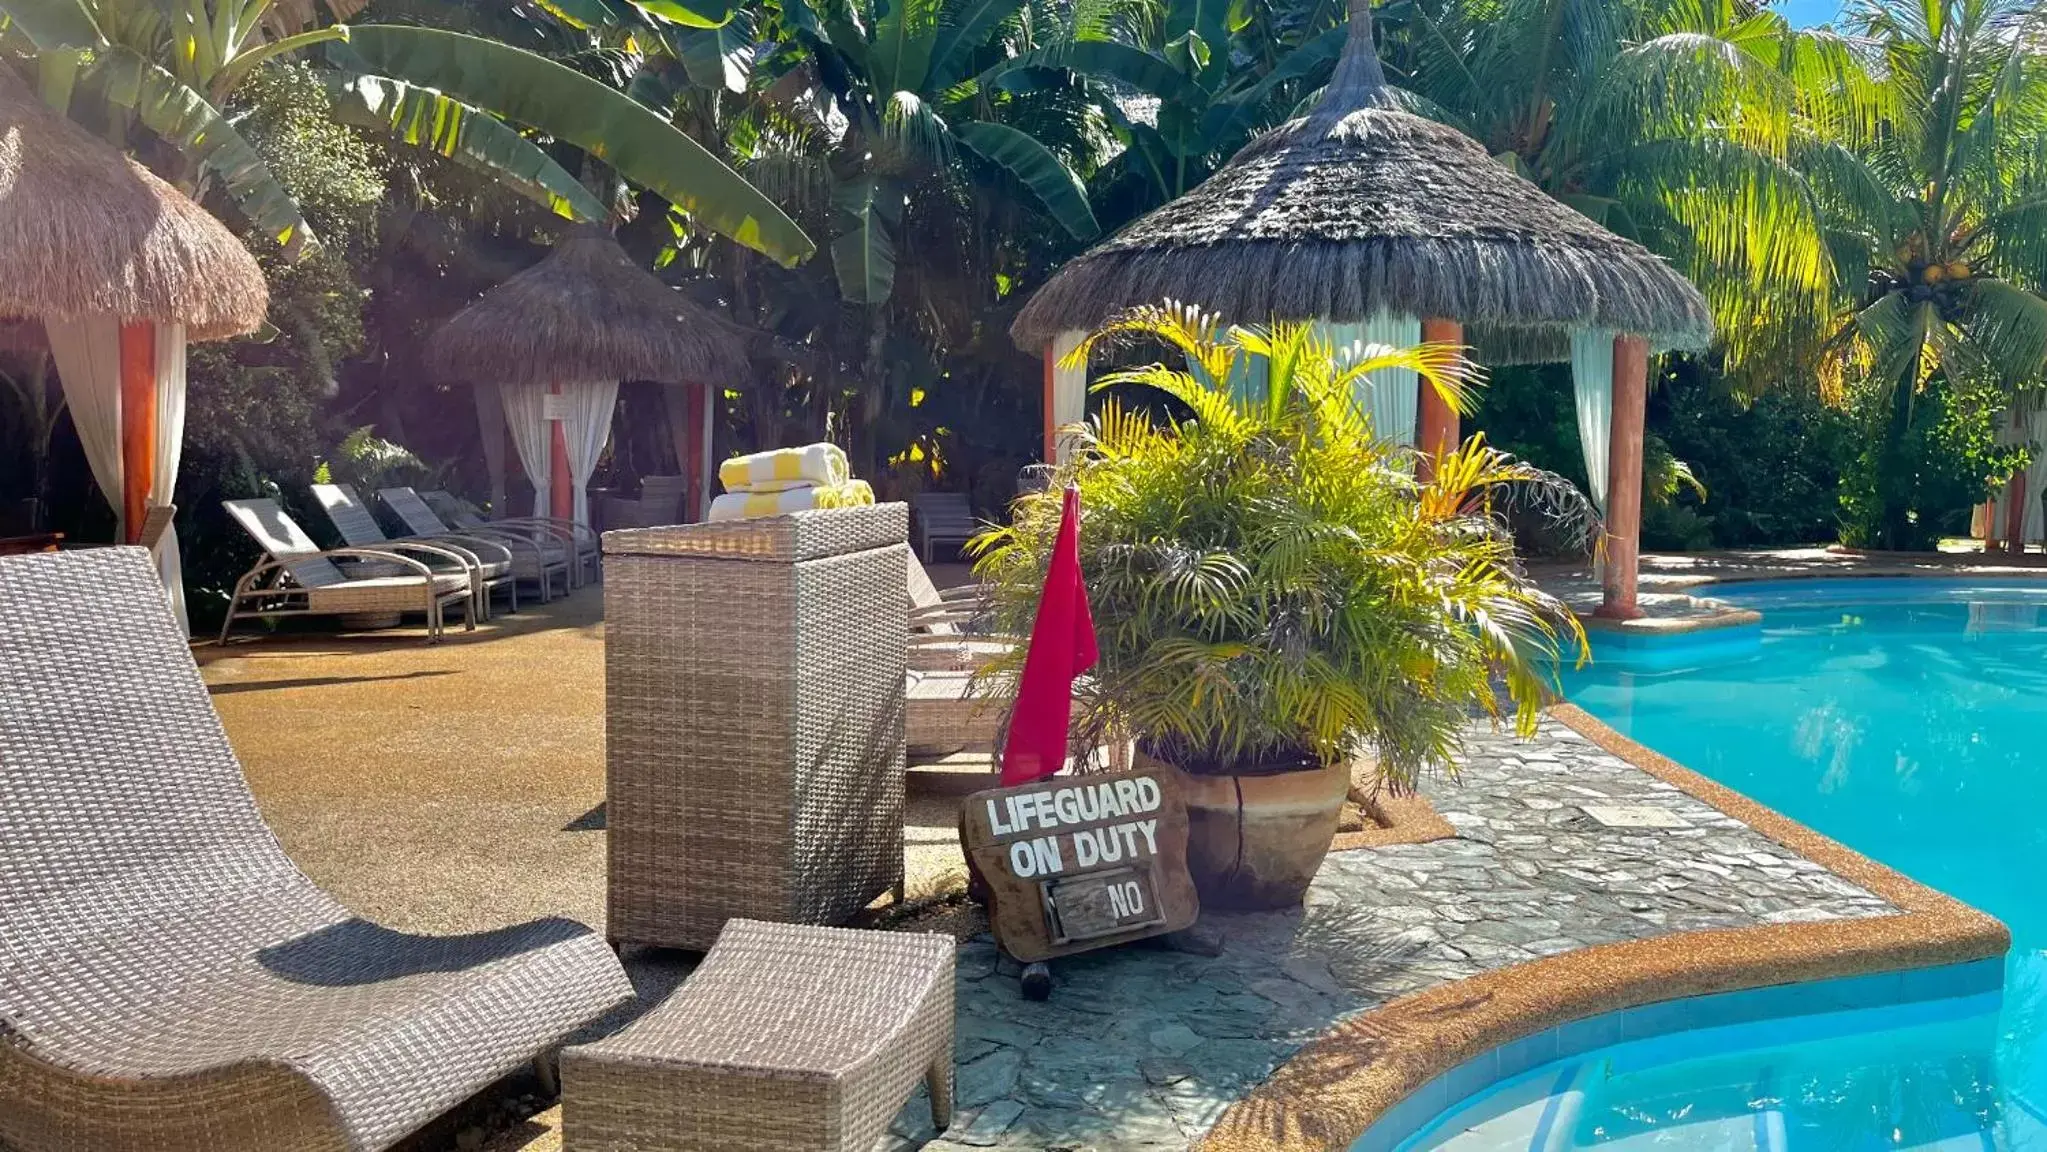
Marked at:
<point>1330,1092</point>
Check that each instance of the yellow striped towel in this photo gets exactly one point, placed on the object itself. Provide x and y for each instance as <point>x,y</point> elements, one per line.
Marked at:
<point>749,505</point>
<point>781,469</point>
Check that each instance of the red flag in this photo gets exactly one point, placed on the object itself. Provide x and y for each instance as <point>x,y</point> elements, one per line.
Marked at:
<point>1062,647</point>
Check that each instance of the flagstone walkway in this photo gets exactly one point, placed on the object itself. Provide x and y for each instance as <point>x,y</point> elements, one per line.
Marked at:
<point>1144,1049</point>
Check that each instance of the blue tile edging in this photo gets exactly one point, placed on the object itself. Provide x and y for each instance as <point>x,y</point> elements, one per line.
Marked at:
<point>1669,1017</point>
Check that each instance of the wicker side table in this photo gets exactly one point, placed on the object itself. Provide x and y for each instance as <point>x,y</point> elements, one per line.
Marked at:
<point>787,1039</point>
<point>754,721</point>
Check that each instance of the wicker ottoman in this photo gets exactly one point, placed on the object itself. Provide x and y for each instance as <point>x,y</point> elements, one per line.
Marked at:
<point>787,1038</point>
<point>753,721</point>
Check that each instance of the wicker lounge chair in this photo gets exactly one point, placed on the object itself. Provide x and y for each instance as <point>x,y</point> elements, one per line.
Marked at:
<point>297,578</point>
<point>942,516</point>
<point>660,503</point>
<point>492,564</point>
<point>786,1038</point>
<point>553,545</point>
<point>463,515</point>
<point>169,981</point>
<point>939,642</point>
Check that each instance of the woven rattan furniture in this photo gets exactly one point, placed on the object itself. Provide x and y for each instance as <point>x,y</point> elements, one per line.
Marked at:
<point>753,721</point>
<point>463,515</point>
<point>296,577</point>
<point>169,982</point>
<point>945,516</point>
<point>660,503</point>
<point>939,618</point>
<point>539,554</point>
<point>490,563</point>
<point>787,1039</point>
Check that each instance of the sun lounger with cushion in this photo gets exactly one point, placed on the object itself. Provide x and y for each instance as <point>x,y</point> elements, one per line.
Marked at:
<point>297,578</point>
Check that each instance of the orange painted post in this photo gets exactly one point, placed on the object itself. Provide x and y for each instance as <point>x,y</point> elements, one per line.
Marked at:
<point>698,398</point>
<point>138,423</point>
<point>1438,432</point>
<point>2015,514</point>
<point>1989,511</point>
<point>561,503</point>
<point>1624,476</point>
<point>1051,404</point>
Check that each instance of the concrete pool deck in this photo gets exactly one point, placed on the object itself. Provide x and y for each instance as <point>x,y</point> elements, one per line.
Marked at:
<point>459,786</point>
<point>1674,590</point>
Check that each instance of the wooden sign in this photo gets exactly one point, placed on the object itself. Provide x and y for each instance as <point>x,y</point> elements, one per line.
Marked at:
<point>1074,863</point>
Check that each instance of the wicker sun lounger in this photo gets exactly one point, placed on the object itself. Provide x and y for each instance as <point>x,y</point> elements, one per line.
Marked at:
<point>659,503</point>
<point>545,547</point>
<point>169,981</point>
<point>492,564</point>
<point>939,640</point>
<point>297,578</point>
<point>463,515</point>
<point>786,1038</point>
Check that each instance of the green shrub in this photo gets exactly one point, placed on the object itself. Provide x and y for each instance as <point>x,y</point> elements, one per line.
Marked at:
<point>1922,465</point>
<point>1271,588</point>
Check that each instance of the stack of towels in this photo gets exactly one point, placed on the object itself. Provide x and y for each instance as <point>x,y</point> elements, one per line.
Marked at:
<point>787,480</point>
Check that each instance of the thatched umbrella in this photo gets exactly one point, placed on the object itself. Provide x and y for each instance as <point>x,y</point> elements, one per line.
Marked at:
<point>553,342</point>
<point>121,270</point>
<point>1389,227</point>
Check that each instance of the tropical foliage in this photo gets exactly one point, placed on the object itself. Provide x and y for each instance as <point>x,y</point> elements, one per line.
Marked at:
<point>170,68</point>
<point>1271,587</point>
<point>1865,207</point>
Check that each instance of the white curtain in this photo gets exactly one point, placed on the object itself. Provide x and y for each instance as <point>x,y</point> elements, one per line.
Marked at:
<point>1390,395</point>
<point>1592,381</point>
<point>170,449</point>
<point>588,405</point>
<point>2019,430</point>
<point>88,353</point>
<point>490,422</point>
<point>526,418</point>
<point>1069,387</point>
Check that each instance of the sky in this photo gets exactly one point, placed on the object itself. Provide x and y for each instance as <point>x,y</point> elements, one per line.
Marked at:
<point>1806,13</point>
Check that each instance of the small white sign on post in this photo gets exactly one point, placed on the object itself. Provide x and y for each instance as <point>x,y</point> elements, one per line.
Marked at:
<point>554,406</point>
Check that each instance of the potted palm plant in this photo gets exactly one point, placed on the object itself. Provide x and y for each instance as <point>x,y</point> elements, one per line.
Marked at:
<point>1282,609</point>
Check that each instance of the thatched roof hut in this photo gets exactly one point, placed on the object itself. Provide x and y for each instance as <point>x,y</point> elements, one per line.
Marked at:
<point>586,312</point>
<point>86,231</point>
<point>1360,208</point>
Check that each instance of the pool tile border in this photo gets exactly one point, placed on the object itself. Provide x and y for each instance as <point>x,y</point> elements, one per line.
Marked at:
<point>1337,1087</point>
<point>1401,820</point>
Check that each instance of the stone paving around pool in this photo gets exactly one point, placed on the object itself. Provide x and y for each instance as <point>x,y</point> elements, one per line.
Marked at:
<point>1145,1048</point>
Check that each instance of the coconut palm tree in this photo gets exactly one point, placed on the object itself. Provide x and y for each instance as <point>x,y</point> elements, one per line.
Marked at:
<point>167,69</point>
<point>1938,212</point>
<point>1673,122</point>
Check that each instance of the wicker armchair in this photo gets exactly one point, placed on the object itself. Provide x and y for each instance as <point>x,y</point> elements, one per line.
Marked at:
<point>942,516</point>
<point>296,577</point>
<point>169,981</point>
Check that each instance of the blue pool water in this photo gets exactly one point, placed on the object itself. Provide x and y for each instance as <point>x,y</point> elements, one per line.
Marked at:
<point>1916,1076</point>
<point>1907,719</point>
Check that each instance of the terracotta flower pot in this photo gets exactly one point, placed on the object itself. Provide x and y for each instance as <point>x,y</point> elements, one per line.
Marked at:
<point>1257,841</point>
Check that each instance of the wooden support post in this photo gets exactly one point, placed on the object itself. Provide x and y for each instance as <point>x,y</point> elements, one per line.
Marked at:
<point>138,424</point>
<point>2015,514</point>
<point>561,499</point>
<point>1624,476</point>
<point>1438,430</point>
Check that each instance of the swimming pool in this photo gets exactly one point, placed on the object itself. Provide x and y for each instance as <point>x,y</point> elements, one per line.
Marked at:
<point>1906,718</point>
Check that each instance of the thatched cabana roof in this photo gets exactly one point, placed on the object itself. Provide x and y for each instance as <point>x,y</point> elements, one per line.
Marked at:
<point>586,312</point>
<point>84,231</point>
<point>1361,207</point>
